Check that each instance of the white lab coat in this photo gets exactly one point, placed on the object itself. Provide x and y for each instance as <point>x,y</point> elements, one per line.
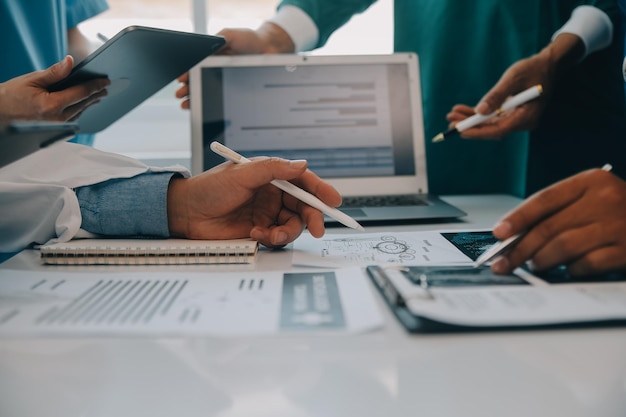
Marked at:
<point>37,201</point>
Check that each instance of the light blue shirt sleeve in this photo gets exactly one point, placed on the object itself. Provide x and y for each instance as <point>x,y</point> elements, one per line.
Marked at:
<point>134,206</point>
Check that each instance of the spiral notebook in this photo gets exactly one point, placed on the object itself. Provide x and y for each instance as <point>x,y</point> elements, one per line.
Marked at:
<point>149,252</point>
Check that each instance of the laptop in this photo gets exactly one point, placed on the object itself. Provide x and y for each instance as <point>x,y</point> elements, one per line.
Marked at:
<point>356,119</point>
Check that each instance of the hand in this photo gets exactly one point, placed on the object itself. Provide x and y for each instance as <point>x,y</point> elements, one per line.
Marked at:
<point>235,201</point>
<point>269,38</point>
<point>542,68</point>
<point>579,222</point>
<point>27,97</point>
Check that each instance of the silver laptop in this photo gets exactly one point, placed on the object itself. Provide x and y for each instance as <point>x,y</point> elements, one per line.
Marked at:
<point>356,119</point>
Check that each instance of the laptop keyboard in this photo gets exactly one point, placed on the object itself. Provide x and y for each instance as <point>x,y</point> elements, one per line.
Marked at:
<point>383,201</point>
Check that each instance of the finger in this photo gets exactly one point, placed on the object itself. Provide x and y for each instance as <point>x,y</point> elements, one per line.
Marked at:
<point>564,248</point>
<point>493,100</point>
<point>603,259</point>
<point>76,95</point>
<point>495,128</point>
<point>458,113</point>
<point>264,170</point>
<point>523,250</point>
<point>575,243</point>
<point>313,184</point>
<point>539,206</point>
<point>549,216</point>
<point>184,78</point>
<point>182,92</point>
<point>462,110</point>
<point>72,112</point>
<point>535,245</point>
<point>268,203</point>
<point>313,219</point>
<point>56,72</point>
<point>289,228</point>
<point>261,171</point>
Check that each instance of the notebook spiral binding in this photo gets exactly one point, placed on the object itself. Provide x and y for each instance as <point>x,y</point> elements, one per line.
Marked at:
<point>59,254</point>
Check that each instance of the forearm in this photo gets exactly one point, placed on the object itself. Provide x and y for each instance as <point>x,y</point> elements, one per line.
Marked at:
<point>275,39</point>
<point>588,30</point>
<point>592,26</point>
<point>564,52</point>
<point>134,206</point>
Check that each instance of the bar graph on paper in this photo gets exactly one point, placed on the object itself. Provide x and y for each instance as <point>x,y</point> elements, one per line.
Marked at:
<point>126,304</point>
<point>174,303</point>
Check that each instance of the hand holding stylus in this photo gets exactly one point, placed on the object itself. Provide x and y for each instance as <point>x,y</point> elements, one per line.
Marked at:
<point>291,189</point>
<point>579,222</point>
<point>512,103</point>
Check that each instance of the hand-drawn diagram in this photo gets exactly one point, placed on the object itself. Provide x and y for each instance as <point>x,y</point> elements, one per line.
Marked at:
<point>421,248</point>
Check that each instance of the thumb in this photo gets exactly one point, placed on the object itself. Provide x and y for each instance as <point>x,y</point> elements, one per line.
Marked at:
<point>493,100</point>
<point>57,72</point>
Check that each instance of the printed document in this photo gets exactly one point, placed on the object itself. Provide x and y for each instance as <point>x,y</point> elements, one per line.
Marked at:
<point>174,303</point>
<point>402,248</point>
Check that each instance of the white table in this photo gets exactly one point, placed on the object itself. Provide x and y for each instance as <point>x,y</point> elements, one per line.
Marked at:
<point>383,373</point>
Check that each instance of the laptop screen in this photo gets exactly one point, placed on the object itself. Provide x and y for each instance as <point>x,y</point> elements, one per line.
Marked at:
<point>347,120</point>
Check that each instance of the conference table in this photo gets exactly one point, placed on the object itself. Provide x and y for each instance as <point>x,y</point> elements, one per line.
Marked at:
<point>385,372</point>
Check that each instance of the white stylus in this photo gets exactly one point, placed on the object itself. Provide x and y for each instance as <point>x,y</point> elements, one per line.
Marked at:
<point>515,101</point>
<point>496,249</point>
<point>289,188</point>
<point>501,246</point>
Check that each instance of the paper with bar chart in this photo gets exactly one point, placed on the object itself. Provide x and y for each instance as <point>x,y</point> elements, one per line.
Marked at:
<point>172,303</point>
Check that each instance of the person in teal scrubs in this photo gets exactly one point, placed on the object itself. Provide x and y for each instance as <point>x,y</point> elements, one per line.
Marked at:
<point>464,47</point>
<point>37,34</point>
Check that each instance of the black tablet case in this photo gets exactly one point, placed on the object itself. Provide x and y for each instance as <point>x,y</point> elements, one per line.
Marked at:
<point>418,324</point>
<point>19,139</point>
<point>139,61</point>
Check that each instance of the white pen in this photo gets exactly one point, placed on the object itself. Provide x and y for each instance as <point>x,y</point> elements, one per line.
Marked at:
<point>501,246</point>
<point>289,188</point>
<point>513,102</point>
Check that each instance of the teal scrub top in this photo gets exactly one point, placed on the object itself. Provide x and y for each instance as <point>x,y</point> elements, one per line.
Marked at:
<point>34,34</point>
<point>463,48</point>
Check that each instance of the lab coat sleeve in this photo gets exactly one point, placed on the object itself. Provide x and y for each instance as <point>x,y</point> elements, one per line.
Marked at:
<point>37,198</point>
<point>36,213</point>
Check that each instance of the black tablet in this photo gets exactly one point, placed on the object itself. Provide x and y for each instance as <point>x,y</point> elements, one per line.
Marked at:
<point>139,61</point>
<point>19,139</point>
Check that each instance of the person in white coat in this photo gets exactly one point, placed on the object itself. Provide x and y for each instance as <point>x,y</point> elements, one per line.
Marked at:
<point>68,191</point>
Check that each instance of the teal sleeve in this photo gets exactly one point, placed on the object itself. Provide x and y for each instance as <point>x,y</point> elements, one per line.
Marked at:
<point>329,15</point>
<point>78,11</point>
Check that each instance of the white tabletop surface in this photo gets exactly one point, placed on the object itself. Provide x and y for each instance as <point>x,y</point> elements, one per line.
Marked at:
<point>387,372</point>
